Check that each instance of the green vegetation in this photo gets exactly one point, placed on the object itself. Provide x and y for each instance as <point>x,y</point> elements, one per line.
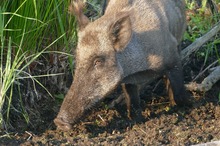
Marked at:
<point>29,28</point>
<point>200,20</point>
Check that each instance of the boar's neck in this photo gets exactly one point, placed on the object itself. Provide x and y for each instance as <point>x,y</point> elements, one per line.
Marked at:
<point>133,58</point>
<point>142,61</point>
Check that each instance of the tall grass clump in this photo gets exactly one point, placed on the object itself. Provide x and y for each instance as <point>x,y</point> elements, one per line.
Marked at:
<point>29,28</point>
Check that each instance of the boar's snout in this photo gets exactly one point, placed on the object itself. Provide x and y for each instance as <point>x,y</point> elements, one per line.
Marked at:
<point>62,124</point>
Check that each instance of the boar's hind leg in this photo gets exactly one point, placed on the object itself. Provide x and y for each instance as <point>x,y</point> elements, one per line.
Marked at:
<point>175,86</point>
<point>132,99</point>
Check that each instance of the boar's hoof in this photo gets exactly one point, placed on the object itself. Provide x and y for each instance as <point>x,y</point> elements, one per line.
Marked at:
<point>62,125</point>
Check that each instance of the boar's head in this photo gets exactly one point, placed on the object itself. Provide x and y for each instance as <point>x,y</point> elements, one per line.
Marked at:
<point>97,70</point>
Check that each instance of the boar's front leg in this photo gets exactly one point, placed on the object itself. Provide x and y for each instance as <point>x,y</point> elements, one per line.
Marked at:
<point>132,99</point>
<point>175,86</point>
<point>169,91</point>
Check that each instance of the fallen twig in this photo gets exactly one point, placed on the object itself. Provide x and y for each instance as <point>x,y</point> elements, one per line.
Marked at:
<point>205,70</point>
<point>185,53</point>
<point>207,83</point>
<point>30,135</point>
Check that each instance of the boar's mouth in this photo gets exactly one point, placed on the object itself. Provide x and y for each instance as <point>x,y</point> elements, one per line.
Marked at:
<point>65,122</point>
<point>62,125</point>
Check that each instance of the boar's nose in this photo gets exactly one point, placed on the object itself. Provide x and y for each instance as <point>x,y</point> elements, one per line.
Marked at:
<point>62,125</point>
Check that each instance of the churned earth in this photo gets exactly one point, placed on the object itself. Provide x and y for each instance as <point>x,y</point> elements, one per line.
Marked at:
<point>161,125</point>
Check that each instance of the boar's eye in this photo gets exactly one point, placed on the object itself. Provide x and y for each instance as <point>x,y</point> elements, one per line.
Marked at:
<point>98,62</point>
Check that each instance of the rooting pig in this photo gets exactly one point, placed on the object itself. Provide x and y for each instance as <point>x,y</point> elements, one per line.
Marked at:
<point>134,42</point>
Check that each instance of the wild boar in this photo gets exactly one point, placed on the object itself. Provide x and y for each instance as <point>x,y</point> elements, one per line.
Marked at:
<point>134,42</point>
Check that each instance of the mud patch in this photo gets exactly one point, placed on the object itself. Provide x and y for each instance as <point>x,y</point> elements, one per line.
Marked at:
<point>162,125</point>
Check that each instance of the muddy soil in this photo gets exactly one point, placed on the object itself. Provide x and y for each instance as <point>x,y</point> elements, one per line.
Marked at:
<point>161,125</point>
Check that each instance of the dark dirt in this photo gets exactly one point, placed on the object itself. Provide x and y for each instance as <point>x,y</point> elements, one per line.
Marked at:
<point>162,124</point>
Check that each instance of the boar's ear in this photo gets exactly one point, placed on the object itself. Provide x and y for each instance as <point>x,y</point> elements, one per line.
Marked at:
<point>76,8</point>
<point>120,32</point>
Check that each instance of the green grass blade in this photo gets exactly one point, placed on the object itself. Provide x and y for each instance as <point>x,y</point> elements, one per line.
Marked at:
<point>15,13</point>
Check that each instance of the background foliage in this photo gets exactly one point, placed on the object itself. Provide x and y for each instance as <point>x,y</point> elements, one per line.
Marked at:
<point>29,28</point>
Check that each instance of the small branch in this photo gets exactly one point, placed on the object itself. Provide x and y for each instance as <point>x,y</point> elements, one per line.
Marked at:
<point>205,70</point>
<point>30,135</point>
<point>207,83</point>
<point>199,42</point>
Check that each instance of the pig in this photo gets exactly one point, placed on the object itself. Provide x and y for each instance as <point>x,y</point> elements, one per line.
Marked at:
<point>134,42</point>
